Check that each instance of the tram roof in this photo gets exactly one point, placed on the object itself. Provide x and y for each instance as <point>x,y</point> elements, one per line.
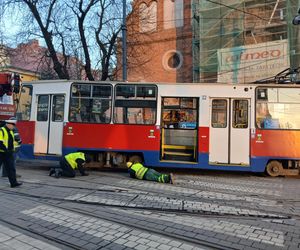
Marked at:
<point>159,83</point>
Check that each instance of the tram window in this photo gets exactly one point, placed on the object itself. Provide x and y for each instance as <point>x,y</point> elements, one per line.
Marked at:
<point>279,112</point>
<point>146,91</point>
<point>91,104</point>
<point>188,103</point>
<point>179,112</point>
<point>134,115</point>
<point>101,111</point>
<point>58,108</point>
<point>42,108</point>
<point>24,105</point>
<point>240,114</point>
<point>135,104</point>
<point>81,90</point>
<point>289,95</point>
<point>219,114</point>
<point>126,91</point>
<point>93,107</point>
<point>102,91</point>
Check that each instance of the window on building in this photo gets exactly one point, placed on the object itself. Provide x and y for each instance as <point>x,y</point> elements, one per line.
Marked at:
<point>91,103</point>
<point>135,104</point>
<point>148,17</point>
<point>173,14</point>
<point>172,60</point>
<point>24,105</point>
<point>278,108</point>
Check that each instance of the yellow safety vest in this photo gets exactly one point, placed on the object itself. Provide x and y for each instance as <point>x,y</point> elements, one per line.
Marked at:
<point>4,138</point>
<point>140,170</point>
<point>71,159</point>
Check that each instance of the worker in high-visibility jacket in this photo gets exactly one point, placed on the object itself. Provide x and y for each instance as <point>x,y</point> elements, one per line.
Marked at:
<point>138,171</point>
<point>17,145</point>
<point>7,149</point>
<point>70,163</point>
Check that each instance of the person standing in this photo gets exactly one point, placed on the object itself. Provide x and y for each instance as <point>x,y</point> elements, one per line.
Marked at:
<point>69,163</point>
<point>7,149</point>
<point>138,171</point>
<point>17,143</point>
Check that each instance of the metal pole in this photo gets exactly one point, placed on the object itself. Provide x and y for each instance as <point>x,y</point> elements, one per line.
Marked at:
<point>124,45</point>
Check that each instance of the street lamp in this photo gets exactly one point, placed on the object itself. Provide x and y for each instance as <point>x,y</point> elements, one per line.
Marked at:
<point>296,20</point>
<point>124,45</point>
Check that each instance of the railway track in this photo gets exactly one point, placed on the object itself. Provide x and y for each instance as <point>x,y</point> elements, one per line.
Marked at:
<point>236,200</point>
<point>68,245</point>
<point>119,188</point>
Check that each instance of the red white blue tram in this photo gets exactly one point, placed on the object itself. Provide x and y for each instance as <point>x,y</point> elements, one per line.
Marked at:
<point>236,127</point>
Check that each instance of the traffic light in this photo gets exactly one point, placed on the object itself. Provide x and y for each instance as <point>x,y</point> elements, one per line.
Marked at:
<point>5,89</point>
<point>9,83</point>
<point>16,82</point>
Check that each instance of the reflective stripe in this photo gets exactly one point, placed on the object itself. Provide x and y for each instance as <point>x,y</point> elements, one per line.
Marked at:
<point>4,138</point>
<point>140,170</point>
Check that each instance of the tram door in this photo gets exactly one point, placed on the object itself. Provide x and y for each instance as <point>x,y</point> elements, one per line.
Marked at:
<point>49,124</point>
<point>229,136</point>
<point>179,129</point>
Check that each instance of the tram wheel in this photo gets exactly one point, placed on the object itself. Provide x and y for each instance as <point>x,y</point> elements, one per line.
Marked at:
<point>135,159</point>
<point>274,168</point>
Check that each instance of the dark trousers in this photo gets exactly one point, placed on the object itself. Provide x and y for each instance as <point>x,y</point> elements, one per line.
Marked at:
<point>4,172</point>
<point>153,175</point>
<point>67,170</point>
<point>8,164</point>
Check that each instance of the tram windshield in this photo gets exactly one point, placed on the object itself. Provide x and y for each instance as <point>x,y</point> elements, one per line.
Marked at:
<point>278,108</point>
<point>24,105</point>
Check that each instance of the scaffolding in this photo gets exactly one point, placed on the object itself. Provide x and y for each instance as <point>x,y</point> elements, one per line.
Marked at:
<point>229,36</point>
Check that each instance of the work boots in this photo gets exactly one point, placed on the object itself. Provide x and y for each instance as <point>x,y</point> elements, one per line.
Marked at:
<point>56,172</point>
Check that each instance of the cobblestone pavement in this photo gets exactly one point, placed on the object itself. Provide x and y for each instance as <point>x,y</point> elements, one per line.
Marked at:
<point>108,210</point>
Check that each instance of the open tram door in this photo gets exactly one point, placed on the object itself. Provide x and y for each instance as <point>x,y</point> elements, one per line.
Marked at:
<point>179,129</point>
<point>229,132</point>
<point>49,124</point>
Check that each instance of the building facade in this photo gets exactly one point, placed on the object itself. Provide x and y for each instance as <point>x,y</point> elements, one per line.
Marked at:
<point>32,62</point>
<point>211,41</point>
<point>159,41</point>
<point>243,41</point>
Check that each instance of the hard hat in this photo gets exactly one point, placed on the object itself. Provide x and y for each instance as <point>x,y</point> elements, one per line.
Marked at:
<point>12,120</point>
<point>129,164</point>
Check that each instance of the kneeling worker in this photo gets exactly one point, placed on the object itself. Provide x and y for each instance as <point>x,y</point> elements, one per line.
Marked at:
<point>138,171</point>
<point>69,163</point>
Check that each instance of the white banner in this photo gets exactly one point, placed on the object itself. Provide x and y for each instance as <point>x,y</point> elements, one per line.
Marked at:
<point>252,62</point>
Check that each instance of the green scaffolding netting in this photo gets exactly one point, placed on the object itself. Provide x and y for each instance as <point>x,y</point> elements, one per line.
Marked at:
<point>232,38</point>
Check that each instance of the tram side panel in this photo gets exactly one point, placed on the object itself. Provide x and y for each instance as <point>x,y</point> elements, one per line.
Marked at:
<point>130,139</point>
<point>26,130</point>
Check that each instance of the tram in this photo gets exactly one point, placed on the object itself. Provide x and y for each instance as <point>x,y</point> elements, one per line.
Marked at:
<point>234,127</point>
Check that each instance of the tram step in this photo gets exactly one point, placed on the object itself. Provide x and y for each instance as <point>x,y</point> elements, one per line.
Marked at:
<point>177,153</point>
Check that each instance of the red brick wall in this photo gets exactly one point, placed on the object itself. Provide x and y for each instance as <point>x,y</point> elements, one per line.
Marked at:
<point>147,51</point>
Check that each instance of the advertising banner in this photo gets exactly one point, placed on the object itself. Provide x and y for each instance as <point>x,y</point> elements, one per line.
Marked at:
<point>252,62</point>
